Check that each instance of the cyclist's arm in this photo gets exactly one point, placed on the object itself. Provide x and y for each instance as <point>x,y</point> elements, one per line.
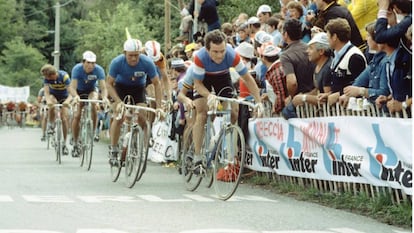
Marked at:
<point>47,94</point>
<point>73,87</point>
<point>102,87</point>
<point>158,91</point>
<point>110,83</point>
<point>201,89</point>
<point>166,83</point>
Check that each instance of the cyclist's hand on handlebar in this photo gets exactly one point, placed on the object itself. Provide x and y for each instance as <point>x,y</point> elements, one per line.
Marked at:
<point>119,109</point>
<point>260,109</point>
<point>76,99</point>
<point>211,100</point>
<point>106,102</point>
<point>160,114</point>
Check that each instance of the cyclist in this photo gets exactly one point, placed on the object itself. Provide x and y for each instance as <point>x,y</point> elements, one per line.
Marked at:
<point>128,75</point>
<point>85,77</point>
<point>211,70</point>
<point>153,50</point>
<point>57,89</point>
<point>41,100</point>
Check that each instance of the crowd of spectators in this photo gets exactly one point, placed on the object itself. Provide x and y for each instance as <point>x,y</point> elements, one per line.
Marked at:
<point>320,51</point>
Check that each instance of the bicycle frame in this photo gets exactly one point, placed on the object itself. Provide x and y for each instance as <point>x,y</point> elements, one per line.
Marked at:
<point>87,132</point>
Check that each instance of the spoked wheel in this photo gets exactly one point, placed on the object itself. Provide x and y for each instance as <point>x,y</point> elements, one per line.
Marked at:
<point>87,146</point>
<point>116,166</point>
<point>191,180</point>
<point>133,161</point>
<point>144,152</point>
<point>228,162</point>
<point>58,142</point>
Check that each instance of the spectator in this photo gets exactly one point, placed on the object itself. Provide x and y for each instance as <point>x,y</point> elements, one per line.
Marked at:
<point>319,53</point>
<point>399,66</point>
<point>328,10</point>
<point>348,61</point>
<point>246,52</point>
<point>274,76</point>
<point>273,30</point>
<point>363,12</point>
<point>372,82</point>
<point>254,26</point>
<point>298,69</point>
<point>260,69</point>
<point>227,29</point>
<point>243,34</point>
<point>264,12</point>
<point>296,12</point>
<point>208,13</point>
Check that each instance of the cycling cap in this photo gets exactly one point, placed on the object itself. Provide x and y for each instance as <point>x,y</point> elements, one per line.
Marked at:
<point>153,50</point>
<point>132,45</point>
<point>89,56</point>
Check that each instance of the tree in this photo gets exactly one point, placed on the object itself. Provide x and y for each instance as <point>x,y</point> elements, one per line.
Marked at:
<point>21,64</point>
<point>104,32</point>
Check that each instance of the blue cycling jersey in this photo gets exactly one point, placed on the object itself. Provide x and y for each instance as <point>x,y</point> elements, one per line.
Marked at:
<point>87,82</point>
<point>58,87</point>
<point>133,76</point>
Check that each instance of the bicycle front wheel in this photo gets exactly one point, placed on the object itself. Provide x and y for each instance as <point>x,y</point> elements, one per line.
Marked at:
<point>133,159</point>
<point>144,153</point>
<point>87,145</point>
<point>58,141</point>
<point>191,180</point>
<point>229,156</point>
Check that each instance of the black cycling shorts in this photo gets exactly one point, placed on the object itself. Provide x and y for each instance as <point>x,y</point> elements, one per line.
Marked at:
<point>137,93</point>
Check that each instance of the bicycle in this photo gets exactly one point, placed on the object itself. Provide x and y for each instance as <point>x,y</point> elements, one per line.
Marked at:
<point>224,158</point>
<point>86,134</point>
<point>57,134</point>
<point>134,142</point>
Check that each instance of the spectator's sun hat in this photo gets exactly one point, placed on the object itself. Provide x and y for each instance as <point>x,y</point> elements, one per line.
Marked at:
<point>253,20</point>
<point>177,62</point>
<point>320,37</point>
<point>263,9</point>
<point>269,50</point>
<point>132,45</point>
<point>245,50</point>
<point>153,50</point>
<point>262,37</point>
<point>89,56</point>
<point>190,47</point>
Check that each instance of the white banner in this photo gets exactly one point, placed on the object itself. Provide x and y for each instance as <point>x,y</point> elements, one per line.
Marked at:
<point>163,148</point>
<point>371,150</point>
<point>14,94</point>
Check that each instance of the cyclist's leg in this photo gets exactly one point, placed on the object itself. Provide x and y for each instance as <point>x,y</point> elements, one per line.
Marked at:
<point>198,126</point>
<point>64,115</point>
<point>93,95</point>
<point>51,113</point>
<point>75,124</point>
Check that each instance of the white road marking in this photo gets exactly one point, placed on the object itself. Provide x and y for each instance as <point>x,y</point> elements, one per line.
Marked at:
<point>153,198</point>
<point>102,198</point>
<point>48,198</point>
<point>5,198</point>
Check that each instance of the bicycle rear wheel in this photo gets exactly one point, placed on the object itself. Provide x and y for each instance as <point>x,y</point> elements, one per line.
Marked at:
<point>191,180</point>
<point>58,141</point>
<point>228,162</point>
<point>87,145</point>
<point>133,160</point>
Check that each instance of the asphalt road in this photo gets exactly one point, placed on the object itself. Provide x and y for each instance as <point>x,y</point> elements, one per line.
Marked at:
<point>37,195</point>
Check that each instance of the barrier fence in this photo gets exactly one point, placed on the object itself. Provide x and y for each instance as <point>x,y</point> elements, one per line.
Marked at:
<point>335,149</point>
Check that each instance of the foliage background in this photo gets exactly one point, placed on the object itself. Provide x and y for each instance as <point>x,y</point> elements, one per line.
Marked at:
<point>27,31</point>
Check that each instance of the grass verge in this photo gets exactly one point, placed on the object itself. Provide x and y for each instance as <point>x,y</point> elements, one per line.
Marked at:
<point>381,208</point>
